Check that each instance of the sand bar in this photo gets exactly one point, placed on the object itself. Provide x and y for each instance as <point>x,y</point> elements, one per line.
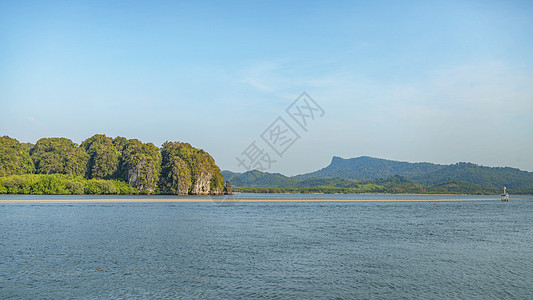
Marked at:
<point>222,200</point>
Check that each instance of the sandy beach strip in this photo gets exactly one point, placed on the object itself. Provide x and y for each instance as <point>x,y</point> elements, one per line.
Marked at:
<point>226,200</point>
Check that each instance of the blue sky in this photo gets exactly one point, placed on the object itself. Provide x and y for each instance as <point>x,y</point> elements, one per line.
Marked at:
<point>443,82</point>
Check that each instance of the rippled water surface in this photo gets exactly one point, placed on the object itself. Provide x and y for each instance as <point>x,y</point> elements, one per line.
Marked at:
<point>294,250</point>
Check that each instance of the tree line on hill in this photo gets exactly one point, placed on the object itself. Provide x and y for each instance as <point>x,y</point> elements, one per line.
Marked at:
<point>105,165</point>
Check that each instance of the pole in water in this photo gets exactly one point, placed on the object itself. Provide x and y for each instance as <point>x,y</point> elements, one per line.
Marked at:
<point>505,195</point>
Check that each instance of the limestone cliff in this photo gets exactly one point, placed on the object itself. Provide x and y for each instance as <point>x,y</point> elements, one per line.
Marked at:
<point>202,185</point>
<point>186,170</point>
<point>140,165</point>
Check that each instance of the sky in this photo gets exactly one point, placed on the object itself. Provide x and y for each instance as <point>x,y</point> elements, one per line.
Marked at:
<point>434,81</point>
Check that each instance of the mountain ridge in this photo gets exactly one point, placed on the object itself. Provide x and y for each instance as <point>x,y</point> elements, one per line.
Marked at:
<point>369,168</point>
<point>392,175</point>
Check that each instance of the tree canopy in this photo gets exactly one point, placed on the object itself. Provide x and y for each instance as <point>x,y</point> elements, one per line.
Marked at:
<point>59,156</point>
<point>103,157</point>
<point>14,158</point>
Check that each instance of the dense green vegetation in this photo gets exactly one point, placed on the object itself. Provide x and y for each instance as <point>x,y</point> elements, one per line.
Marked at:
<point>59,156</point>
<point>60,184</point>
<point>103,165</point>
<point>14,157</point>
<point>103,157</point>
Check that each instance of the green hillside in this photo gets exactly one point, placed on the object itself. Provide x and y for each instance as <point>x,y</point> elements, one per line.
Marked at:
<point>480,175</point>
<point>256,178</point>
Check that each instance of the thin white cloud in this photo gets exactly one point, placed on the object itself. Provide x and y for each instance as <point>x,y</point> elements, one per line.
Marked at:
<point>33,120</point>
<point>262,76</point>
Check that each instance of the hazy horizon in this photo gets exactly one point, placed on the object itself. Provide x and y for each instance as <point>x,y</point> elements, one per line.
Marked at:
<point>418,82</point>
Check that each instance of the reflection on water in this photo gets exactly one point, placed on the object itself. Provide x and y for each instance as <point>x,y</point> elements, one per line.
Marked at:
<point>348,250</point>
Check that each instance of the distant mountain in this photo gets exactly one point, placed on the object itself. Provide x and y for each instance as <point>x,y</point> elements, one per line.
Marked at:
<point>368,174</point>
<point>258,178</point>
<point>369,168</point>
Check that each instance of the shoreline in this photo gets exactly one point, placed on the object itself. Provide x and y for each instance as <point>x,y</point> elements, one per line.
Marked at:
<point>145,200</point>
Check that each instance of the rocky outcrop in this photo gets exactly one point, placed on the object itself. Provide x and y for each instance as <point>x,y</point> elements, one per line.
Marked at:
<point>140,165</point>
<point>202,184</point>
<point>143,177</point>
<point>186,170</point>
<point>179,181</point>
<point>227,189</point>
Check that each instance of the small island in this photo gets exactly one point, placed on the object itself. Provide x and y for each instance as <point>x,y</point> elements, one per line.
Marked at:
<point>105,165</point>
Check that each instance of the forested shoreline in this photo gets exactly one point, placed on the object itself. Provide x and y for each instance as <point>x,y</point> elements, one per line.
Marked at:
<point>105,165</point>
<point>60,184</point>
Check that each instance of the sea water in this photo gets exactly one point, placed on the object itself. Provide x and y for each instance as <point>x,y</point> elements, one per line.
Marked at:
<point>480,249</point>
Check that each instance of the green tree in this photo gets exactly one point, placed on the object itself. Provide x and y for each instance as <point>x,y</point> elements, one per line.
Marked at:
<point>120,143</point>
<point>98,186</point>
<point>58,184</point>
<point>75,187</point>
<point>59,155</point>
<point>14,158</point>
<point>103,157</point>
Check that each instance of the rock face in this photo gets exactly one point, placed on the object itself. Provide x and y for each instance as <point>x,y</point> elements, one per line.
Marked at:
<point>227,189</point>
<point>186,170</point>
<point>178,179</point>
<point>140,165</point>
<point>143,177</point>
<point>202,185</point>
